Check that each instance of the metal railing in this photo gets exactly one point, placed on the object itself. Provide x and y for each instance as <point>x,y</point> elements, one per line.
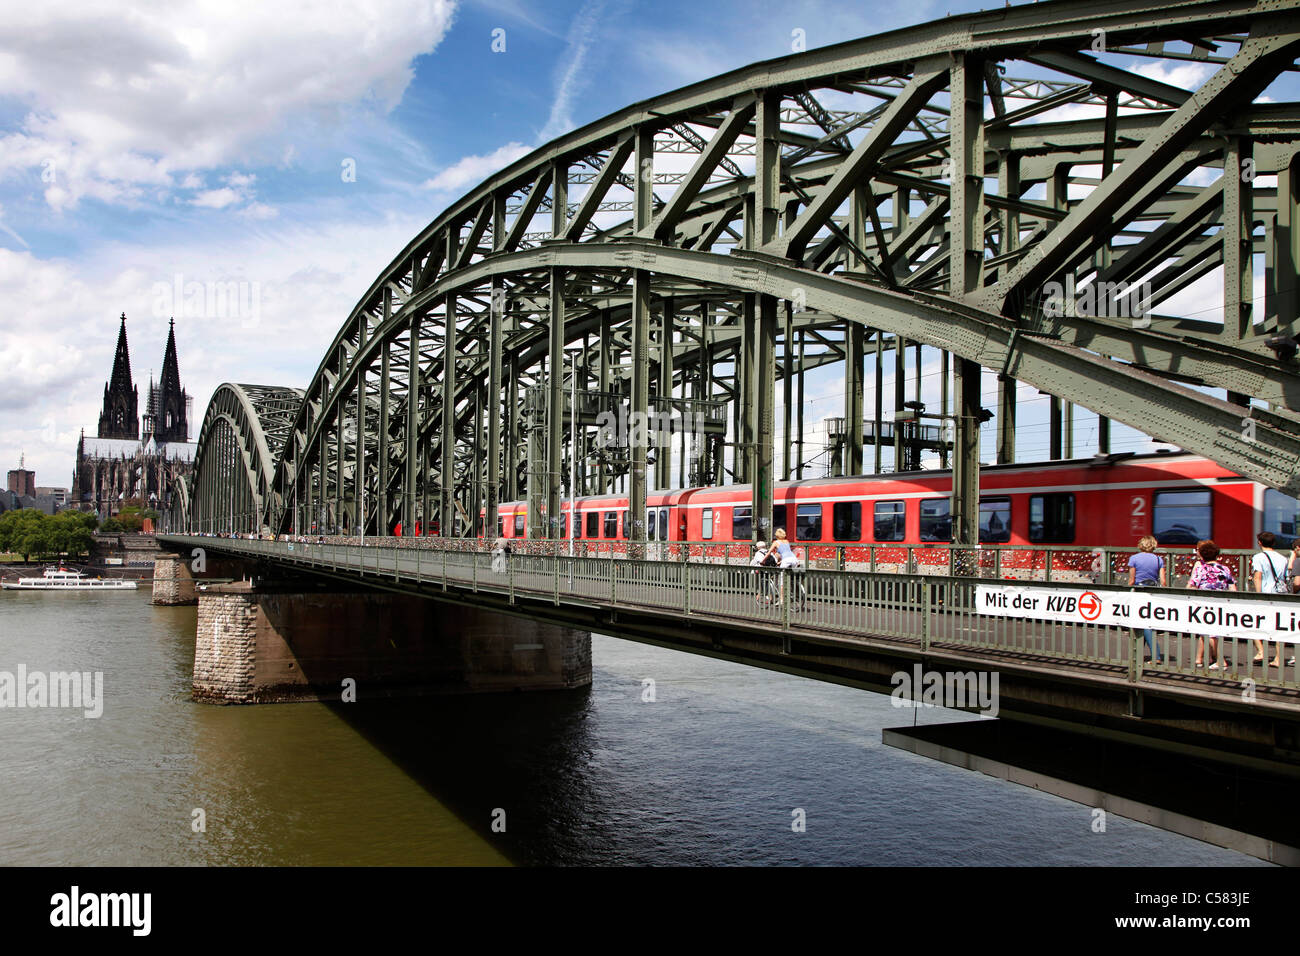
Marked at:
<point>1010,563</point>
<point>927,609</point>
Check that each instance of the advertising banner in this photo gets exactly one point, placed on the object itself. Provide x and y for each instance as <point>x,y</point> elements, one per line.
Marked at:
<point>1196,612</point>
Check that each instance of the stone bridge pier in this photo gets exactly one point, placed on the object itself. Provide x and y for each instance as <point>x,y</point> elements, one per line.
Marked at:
<point>176,576</point>
<point>265,641</point>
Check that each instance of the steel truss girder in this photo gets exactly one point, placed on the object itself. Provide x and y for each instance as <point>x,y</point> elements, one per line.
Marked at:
<point>894,147</point>
<point>261,418</point>
<point>1119,391</point>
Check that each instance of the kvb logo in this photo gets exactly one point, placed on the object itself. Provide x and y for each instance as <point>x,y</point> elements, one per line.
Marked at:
<point>1088,605</point>
<point>1062,604</point>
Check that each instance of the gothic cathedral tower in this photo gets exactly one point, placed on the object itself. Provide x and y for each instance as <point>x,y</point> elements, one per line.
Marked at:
<point>165,416</point>
<point>120,418</point>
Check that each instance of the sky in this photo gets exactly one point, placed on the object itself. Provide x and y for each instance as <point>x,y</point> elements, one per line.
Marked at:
<point>288,151</point>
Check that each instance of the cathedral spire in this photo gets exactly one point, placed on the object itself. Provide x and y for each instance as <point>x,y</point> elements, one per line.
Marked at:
<point>122,361</point>
<point>120,417</point>
<point>170,424</point>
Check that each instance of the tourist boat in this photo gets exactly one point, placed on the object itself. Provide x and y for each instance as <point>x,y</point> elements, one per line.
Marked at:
<point>61,579</point>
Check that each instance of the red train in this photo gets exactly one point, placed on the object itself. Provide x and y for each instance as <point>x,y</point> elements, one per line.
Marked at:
<point>1106,501</point>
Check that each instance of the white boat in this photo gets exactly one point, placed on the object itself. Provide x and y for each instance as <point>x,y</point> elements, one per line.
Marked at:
<point>61,579</point>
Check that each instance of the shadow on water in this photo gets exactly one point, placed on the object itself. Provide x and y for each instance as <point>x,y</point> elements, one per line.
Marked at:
<point>527,754</point>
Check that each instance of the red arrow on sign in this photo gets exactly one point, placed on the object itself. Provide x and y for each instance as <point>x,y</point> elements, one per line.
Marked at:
<point>1090,606</point>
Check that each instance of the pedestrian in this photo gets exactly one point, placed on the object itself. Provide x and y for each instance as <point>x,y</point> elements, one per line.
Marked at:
<point>784,555</point>
<point>1268,571</point>
<point>1293,567</point>
<point>499,551</point>
<point>794,563</point>
<point>1210,574</point>
<point>1146,569</point>
<point>763,560</point>
<point>781,546</point>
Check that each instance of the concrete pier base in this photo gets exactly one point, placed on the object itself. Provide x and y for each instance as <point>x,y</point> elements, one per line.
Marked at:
<point>262,644</point>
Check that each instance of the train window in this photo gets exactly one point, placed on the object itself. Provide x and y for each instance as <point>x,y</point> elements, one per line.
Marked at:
<point>611,524</point>
<point>627,524</point>
<point>501,526</point>
<point>564,526</point>
<point>519,524</point>
<point>593,524</point>
<point>1281,516</point>
<point>889,521</point>
<point>846,520</point>
<point>808,523</point>
<point>779,519</point>
<point>651,524</point>
<point>706,524</point>
<point>1051,519</point>
<point>995,520</point>
<point>742,525</point>
<point>663,524</point>
<point>1181,517</point>
<point>936,520</point>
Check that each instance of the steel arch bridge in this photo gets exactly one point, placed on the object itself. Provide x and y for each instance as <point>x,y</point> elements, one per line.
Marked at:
<point>963,185</point>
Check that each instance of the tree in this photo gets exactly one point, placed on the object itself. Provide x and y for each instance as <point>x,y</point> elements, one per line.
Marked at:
<point>131,517</point>
<point>30,532</point>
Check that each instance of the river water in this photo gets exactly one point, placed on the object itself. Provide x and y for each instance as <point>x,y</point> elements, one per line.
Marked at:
<point>712,771</point>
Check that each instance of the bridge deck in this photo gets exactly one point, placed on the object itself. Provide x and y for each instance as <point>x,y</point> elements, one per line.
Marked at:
<point>921,613</point>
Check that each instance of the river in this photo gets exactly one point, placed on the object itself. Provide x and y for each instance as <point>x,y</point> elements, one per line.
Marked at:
<point>713,771</point>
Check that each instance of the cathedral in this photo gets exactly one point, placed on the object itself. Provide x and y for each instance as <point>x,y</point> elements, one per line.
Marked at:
<point>131,460</point>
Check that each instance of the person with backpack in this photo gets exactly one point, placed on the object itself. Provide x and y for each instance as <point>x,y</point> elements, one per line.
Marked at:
<point>1210,574</point>
<point>1269,575</point>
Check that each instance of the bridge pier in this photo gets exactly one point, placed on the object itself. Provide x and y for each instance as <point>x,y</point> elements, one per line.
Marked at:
<point>175,581</point>
<point>269,643</point>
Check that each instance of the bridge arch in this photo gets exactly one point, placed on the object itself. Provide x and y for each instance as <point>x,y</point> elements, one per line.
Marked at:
<point>829,201</point>
<point>243,427</point>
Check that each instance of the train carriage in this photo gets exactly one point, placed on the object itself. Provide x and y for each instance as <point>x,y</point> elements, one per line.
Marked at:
<point>1083,504</point>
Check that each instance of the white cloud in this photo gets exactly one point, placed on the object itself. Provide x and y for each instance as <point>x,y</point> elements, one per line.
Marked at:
<point>471,170</point>
<point>238,189</point>
<point>1182,75</point>
<point>259,210</point>
<point>123,102</point>
<point>582,33</point>
<point>216,198</point>
<point>57,346</point>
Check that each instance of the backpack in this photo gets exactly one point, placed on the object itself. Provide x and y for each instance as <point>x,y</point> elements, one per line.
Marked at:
<point>1276,584</point>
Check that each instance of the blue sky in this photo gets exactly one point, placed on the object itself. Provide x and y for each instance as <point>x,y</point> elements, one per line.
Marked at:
<point>146,146</point>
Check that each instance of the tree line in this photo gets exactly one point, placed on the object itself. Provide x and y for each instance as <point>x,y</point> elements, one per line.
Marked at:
<point>31,532</point>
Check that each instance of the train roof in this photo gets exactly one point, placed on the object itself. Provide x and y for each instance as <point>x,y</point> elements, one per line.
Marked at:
<point>1110,460</point>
